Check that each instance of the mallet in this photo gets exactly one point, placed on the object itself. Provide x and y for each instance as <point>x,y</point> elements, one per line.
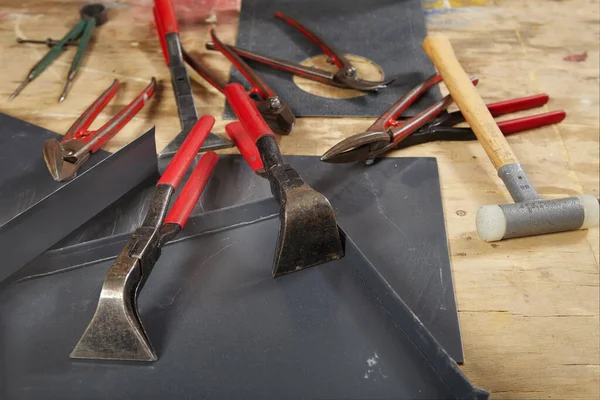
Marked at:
<point>530,214</point>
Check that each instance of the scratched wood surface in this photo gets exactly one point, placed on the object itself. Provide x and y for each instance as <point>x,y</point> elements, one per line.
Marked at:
<point>528,307</point>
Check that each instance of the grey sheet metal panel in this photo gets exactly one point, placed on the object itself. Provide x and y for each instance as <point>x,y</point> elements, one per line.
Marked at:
<point>223,328</point>
<point>36,211</point>
<point>388,32</point>
<point>392,211</point>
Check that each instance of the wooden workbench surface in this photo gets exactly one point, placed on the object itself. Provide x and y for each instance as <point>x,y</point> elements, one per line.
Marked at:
<point>528,307</point>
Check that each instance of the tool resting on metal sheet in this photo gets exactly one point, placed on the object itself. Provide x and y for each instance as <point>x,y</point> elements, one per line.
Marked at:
<point>530,214</point>
<point>345,77</point>
<point>116,331</point>
<point>168,34</point>
<point>308,232</point>
<point>92,15</point>
<point>64,158</point>
<point>272,108</point>
<point>391,131</point>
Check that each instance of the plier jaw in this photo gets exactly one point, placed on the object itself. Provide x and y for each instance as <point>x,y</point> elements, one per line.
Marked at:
<point>64,159</point>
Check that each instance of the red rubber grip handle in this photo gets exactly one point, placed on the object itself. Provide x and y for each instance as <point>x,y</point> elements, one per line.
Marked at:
<point>186,153</point>
<point>166,15</point>
<point>245,145</point>
<point>181,210</point>
<point>161,35</point>
<point>531,122</point>
<point>246,111</point>
<point>523,103</point>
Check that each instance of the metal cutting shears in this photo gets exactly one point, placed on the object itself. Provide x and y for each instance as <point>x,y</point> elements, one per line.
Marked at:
<point>345,77</point>
<point>64,158</point>
<point>391,131</point>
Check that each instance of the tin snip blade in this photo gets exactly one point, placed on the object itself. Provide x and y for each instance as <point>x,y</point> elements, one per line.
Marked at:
<point>64,158</point>
<point>116,331</point>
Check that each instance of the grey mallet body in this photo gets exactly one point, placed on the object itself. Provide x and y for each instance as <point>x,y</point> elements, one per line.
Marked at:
<point>530,214</point>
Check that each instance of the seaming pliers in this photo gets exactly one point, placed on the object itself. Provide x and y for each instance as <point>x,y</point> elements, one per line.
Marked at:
<point>116,331</point>
<point>345,77</point>
<point>64,158</point>
<point>390,131</point>
<point>273,109</point>
<point>168,34</point>
<point>92,15</point>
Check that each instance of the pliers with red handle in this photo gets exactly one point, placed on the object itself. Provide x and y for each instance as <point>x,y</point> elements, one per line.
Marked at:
<point>273,109</point>
<point>345,77</point>
<point>168,33</point>
<point>390,131</point>
<point>64,158</point>
<point>126,277</point>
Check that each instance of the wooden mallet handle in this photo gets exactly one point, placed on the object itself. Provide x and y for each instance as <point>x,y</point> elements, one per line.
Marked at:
<point>440,51</point>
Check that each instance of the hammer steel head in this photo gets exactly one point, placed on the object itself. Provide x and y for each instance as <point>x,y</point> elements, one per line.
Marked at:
<point>537,217</point>
<point>116,331</point>
<point>308,232</point>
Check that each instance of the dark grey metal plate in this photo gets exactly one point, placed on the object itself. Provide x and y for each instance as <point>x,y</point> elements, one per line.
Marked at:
<point>388,32</point>
<point>392,210</point>
<point>224,329</point>
<point>35,210</point>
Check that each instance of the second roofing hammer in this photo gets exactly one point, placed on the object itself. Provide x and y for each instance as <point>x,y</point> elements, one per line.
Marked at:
<point>530,214</point>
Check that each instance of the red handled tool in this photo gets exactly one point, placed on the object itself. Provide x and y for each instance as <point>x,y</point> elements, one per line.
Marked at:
<point>273,109</point>
<point>116,331</point>
<point>168,34</point>
<point>64,158</point>
<point>390,131</point>
<point>345,77</point>
<point>308,232</point>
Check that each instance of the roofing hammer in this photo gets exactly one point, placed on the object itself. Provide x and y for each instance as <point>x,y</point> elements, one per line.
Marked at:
<point>530,214</point>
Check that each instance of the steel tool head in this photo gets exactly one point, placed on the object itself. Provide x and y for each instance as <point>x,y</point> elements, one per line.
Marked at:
<point>308,232</point>
<point>116,331</point>
<point>348,78</point>
<point>278,114</point>
<point>358,147</point>
<point>62,159</point>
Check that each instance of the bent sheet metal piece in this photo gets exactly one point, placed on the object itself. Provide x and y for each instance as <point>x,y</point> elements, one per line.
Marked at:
<point>391,131</point>
<point>92,15</point>
<point>168,33</point>
<point>308,232</point>
<point>272,108</point>
<point>392,211</point>
<point>64,158</point>
<point>215,315</point>
<point>116,331</point>
<point>30,200</point>
<point>346,76</point>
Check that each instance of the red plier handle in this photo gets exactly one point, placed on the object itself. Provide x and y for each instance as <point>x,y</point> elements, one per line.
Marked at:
<point>98,138</point>
<point>245,145</point>
<point>164,18</point>
<point>336,57</point>
<point>177,168</point>
<point>258,85</point>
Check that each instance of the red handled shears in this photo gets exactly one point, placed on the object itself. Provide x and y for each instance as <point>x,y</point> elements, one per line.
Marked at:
<point>391,131</point>
<point>345,77</point>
